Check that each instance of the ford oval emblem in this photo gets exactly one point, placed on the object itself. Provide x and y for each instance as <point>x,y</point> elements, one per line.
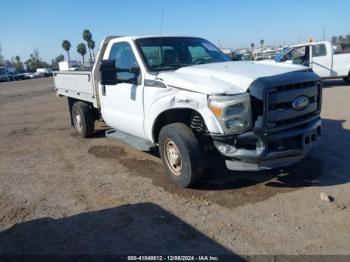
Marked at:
<point>300,102</point>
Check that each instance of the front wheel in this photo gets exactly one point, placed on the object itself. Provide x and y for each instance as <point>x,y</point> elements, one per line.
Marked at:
<point>181,154</point>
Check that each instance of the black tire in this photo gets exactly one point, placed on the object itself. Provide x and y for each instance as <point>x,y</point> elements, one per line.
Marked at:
<point>347,79</point>
<point>189,149</point>
<point>85,126</point>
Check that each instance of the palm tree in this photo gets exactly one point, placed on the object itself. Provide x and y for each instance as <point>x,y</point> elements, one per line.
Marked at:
<point>19,64</point>
<point>66,46</point>
<point>262,44</point>
<point>251,53</point>
<point>87,36</point>
<point>81,49</point>
<point>91,45</point>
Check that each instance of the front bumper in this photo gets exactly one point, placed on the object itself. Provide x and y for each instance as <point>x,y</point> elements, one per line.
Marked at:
<point>252,152</point>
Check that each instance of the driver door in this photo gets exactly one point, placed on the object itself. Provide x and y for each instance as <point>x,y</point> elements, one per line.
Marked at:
<point>321,61</point>
<point>122,104</point>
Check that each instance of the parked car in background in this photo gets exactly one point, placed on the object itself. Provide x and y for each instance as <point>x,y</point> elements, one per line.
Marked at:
<point>33,75</point>
<point>259,57</point>
<point>38,75</point>
<point>344,47</point>
<point>11,74</point>
<point>29,75</point>
<point>321,57</point>
<point>20,75</point>
<point>270,55</point>
<point>45,72</point>
<point>236,57</point>
<point>4,74</point>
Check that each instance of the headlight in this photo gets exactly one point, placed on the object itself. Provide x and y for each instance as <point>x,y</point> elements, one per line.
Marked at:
<point>233,112</point>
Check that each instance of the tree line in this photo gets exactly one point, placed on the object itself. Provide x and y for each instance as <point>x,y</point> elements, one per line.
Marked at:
<point>252,44</point>
<point>31,64</point>
<point>262,41</point>
<point>81,47</point>
<point>35,61</point>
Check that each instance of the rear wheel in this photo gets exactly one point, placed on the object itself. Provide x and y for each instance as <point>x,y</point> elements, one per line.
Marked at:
<point>347,79</point>
<point>83,119</point>
<point>181,154</point>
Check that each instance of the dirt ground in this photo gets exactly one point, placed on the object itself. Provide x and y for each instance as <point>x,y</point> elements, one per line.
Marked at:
<point>62,194</point>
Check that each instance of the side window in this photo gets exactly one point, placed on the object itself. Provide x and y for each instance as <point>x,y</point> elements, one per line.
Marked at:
<point>337,49</point>
<point>124,60</point>
<point>299,52</point>
<point>319,50</point>
<point>300,55</point>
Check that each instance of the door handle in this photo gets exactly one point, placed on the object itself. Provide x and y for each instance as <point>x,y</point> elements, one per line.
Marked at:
<point>103,90</point>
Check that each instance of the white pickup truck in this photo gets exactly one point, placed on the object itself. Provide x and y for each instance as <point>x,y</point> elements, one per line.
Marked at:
<point>324,60</point>
<point>183,95</point>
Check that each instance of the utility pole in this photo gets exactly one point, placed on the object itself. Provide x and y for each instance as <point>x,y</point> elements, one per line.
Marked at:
<point>324,34</point>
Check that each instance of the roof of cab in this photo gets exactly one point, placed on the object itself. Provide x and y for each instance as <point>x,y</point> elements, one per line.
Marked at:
<point>310,43</point>
<point>154,36</point>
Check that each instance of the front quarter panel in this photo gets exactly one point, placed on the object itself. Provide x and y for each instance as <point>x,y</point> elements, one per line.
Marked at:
<point>158,100</point>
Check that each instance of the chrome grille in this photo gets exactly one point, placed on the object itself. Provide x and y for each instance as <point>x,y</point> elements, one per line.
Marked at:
<point>279,113</point>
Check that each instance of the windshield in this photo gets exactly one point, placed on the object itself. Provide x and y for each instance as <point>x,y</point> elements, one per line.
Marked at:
<point>280,55</point>
<point>170,53</point>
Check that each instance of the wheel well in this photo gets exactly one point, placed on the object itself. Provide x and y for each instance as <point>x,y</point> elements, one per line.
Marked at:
<point>188,116</point>
<point>71,101</point>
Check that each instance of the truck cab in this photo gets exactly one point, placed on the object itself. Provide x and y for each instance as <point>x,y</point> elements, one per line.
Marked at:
<point>185,97</point>
<point>321,57</point>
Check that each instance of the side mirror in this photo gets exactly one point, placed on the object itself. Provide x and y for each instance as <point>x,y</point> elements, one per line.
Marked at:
<point>135,70</point>
<point>108,72</point>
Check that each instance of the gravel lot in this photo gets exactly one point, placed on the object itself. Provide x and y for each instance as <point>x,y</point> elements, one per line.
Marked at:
<point>61,194</point>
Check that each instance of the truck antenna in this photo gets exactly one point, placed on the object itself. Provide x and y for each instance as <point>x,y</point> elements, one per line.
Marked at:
<point>162,21</point>
<point>160,34</point>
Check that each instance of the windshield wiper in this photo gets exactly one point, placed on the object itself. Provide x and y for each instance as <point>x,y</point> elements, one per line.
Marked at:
<point>205,61</point>
<point>171,66</point>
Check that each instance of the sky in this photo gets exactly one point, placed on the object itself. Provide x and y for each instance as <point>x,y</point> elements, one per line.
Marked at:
<point>42,24</point>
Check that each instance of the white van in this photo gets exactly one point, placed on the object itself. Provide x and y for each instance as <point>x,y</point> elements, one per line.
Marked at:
<point>68,66</point>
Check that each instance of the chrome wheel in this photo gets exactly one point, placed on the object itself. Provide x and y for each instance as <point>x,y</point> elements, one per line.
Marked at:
<point>172,157</point>
<point>77,120</point>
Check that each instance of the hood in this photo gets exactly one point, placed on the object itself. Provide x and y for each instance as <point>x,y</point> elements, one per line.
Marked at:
<point>225,77</point>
